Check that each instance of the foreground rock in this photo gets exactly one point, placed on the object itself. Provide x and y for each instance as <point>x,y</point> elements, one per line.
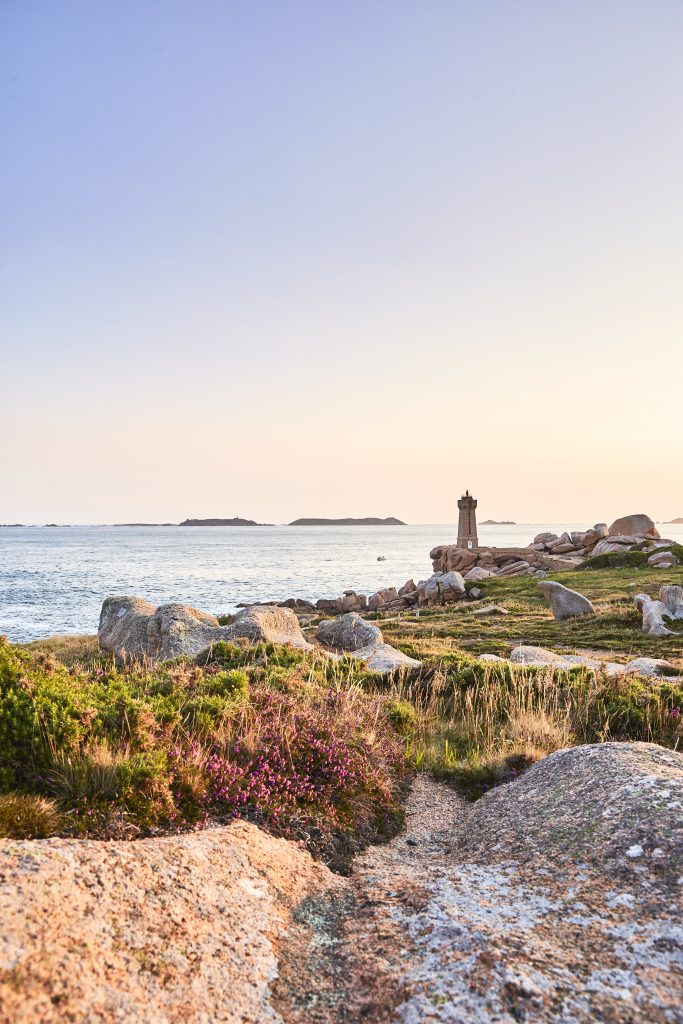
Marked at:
<point>565,603</point>
<point>180,929</point>
<point>132,629</point>
<point>353,635</point>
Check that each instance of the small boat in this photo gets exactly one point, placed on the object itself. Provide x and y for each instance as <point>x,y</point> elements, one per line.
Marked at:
<point>381,558</point>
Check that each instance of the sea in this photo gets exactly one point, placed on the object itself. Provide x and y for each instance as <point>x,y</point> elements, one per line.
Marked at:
<point>53,580</point>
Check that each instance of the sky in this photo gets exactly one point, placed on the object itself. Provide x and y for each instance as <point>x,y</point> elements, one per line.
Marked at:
<point>340,257</point>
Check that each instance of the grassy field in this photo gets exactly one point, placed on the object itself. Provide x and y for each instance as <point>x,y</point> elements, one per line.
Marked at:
<point>615,629</point>
<point>314,749</point>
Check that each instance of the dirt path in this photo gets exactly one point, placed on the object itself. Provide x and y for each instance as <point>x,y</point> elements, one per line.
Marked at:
<point>555,899</point>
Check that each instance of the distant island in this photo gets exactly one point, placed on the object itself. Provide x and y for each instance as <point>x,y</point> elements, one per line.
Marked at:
<point>220,522</point>
<point>674,522</point>
<point>498,522</point>
<point>369,521</point>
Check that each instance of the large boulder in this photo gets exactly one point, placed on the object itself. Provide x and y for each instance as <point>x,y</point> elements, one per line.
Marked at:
<point>540,657</point>
<point>179,629</point>
<point>353,635</point>
<point>132,629</point>
<point>611,546</point>
<point>565,603</point>
<point>349,632</point>
<point>451,558</point>
<point>640,525</point>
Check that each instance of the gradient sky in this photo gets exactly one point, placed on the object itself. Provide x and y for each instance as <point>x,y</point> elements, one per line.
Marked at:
<point>307,257</point>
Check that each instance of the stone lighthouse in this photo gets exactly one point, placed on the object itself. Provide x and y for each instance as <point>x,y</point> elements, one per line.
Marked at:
<point>467,522</point>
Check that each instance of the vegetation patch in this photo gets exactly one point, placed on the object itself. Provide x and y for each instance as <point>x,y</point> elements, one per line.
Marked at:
<point>301,745</point>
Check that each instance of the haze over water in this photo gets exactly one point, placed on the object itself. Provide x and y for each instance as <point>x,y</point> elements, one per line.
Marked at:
<point>53,580</point>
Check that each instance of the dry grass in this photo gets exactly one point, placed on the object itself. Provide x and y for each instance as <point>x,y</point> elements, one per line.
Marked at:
<point>28,817</point>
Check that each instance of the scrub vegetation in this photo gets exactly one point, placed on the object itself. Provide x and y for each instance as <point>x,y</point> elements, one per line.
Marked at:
<point>315,749</point>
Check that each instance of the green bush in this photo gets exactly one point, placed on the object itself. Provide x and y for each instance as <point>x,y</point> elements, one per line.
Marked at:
<point>616,560</point>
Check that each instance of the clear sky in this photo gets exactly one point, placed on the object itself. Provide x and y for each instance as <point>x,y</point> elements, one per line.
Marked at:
<point>306,257</point>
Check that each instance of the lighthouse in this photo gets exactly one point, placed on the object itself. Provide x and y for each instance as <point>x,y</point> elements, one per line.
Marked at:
<point>467,522</point>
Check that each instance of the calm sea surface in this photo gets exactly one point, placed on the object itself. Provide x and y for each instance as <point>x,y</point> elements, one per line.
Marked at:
<point>53,580</point>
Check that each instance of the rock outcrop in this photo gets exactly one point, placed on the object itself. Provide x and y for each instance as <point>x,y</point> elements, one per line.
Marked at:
<point>351,634</point>
<point>132,629</point>
<point>565,603</point>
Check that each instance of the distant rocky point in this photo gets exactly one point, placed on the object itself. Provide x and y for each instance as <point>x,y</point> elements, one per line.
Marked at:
<point>672,522</point>
<point>498,522</point>
<point>368,521</point>
<point>220,522</point>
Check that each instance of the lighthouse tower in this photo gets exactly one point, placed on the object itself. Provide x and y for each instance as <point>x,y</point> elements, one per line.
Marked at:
<point>467,522</point>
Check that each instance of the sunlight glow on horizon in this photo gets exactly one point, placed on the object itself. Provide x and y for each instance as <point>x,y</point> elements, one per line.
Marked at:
<point>290,260</point>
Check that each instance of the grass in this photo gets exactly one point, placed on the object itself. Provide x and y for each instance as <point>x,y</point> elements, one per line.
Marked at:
<point>314,749</point>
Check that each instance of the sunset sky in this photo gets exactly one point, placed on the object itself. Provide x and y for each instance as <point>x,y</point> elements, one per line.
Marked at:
<point>280,259</point>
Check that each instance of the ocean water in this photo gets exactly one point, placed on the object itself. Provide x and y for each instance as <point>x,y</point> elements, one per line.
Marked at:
<point>53,579</point>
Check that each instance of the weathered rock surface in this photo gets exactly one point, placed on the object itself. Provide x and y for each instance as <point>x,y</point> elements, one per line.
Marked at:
<point>555,898</point>
<point>639,525</point>
<point>133,629</point>
<point>123,626</point>
<point>353,602</point>
<point>179,930</point>
<point>353,635</point>
<point>565,603</point>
